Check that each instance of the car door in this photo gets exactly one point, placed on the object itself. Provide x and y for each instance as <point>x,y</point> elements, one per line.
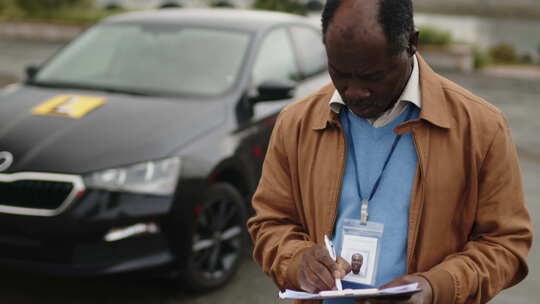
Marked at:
<point>274,60</point>
<point>294,52</point>
<point>311,58</point>
<point>286,53</point>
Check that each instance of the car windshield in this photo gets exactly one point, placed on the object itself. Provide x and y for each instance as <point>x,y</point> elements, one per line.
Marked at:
<point>150,60</point>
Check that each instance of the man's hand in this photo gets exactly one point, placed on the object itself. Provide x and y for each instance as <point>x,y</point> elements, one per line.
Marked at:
<point>318,272</point>
<point>423,297</point>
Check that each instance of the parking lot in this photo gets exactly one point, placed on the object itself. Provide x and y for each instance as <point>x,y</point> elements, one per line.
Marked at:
<point>517,98</point>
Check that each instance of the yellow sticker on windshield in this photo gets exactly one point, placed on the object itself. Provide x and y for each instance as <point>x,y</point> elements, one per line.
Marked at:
<point>72,106</point>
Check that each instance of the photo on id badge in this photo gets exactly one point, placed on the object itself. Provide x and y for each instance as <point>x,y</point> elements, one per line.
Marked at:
<point>359,252</point>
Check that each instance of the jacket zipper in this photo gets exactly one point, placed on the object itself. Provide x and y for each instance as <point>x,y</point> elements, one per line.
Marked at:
<point>420,201</point>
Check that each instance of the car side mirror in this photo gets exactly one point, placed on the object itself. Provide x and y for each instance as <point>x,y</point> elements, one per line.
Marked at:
<point>272,90</point>
<point>31,71</point>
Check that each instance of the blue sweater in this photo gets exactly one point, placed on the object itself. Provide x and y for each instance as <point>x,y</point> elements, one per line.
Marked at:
<point>390,204</point>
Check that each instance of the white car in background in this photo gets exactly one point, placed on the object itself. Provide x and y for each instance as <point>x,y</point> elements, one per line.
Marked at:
<point>312,5</point>
<point>153,4</point>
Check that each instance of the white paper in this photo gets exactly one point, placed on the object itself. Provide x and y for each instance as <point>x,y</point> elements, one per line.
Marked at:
<point>357,293</point>
<point>400,289</point>
<point>367,247</point>
<point>297,295</point>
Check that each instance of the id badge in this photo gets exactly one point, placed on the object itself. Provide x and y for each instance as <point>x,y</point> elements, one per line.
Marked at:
<point>361,248</point>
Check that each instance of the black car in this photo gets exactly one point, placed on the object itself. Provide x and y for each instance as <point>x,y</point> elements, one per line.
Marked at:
<point>141,142</point>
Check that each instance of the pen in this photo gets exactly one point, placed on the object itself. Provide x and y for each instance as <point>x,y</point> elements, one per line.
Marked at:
<point>332,252</point>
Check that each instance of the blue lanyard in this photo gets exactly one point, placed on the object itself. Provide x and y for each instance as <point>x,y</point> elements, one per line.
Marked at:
<point>365,202</point>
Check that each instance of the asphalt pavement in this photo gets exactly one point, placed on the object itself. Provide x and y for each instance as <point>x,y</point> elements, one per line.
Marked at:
<point>518,98</point>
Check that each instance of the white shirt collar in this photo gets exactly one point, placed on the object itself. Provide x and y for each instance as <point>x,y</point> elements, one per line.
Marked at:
<point>411,94</point>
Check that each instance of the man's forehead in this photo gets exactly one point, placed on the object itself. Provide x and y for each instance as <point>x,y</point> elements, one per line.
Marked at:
<point>356,20</point>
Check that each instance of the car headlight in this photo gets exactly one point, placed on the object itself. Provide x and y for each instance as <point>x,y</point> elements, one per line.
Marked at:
<point>152,177</point>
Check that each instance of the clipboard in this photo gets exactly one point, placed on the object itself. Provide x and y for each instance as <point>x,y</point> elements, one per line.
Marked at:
<point>398,291</point>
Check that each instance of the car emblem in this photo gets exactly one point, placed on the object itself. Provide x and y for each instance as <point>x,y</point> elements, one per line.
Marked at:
<point>6,159</point>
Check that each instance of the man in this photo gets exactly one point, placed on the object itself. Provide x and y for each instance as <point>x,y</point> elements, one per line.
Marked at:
<point>390,142</point>
<point>356,263</point>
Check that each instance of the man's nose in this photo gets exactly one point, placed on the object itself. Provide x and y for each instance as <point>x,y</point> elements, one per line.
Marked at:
<point>357,93</point>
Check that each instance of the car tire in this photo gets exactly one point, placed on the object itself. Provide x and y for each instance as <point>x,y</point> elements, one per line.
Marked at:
<point>218,240</point>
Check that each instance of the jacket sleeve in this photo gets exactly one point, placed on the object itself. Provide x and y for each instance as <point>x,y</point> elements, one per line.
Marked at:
<point>276,230</point>
<point>494,258</point>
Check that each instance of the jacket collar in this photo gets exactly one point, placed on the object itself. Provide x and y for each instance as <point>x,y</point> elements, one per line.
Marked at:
<point>434,108</point>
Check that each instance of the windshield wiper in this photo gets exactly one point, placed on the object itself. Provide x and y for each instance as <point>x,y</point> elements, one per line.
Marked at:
<point>68,85</point>
<point>124,91</point>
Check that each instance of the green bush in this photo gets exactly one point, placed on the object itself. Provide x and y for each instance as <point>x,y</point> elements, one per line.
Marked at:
<point>538,50</point>
<point>171,5</point>
<point>434,36</point>
<point>314,6</point>
<point>67,11</point>
<point>221,3</point>
<point>51,7</point>
<point>503,53</point>
<point>481,58</point>
<point>5,5</point>
<point>290,6</point>
<point>113,7</point>
<point>526,58</point>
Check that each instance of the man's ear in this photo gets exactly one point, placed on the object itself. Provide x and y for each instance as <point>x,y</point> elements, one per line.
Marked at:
<point>413,42</point>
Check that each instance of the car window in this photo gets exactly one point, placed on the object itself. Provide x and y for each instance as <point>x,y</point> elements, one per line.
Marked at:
<point>169,59</point>
<point>275,60</point>
<point>312,55</point>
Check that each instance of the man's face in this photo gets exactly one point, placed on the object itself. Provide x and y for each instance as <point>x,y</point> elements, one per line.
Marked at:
<point>356,263</point>
<point>367,76</point>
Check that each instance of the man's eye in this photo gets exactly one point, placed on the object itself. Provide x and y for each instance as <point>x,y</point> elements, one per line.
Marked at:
<point>343,75</point>
<point>377,77</point>
<point>372,78</point>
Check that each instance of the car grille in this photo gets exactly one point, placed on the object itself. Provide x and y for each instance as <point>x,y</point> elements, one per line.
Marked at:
<point>36,194</point>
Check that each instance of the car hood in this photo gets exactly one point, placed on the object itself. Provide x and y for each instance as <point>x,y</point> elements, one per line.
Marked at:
<point>123,130</point>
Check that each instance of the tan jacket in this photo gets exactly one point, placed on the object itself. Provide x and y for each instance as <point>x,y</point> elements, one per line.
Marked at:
<point>469,229</point>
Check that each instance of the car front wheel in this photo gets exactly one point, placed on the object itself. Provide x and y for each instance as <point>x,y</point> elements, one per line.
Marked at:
<point>218,240</point>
